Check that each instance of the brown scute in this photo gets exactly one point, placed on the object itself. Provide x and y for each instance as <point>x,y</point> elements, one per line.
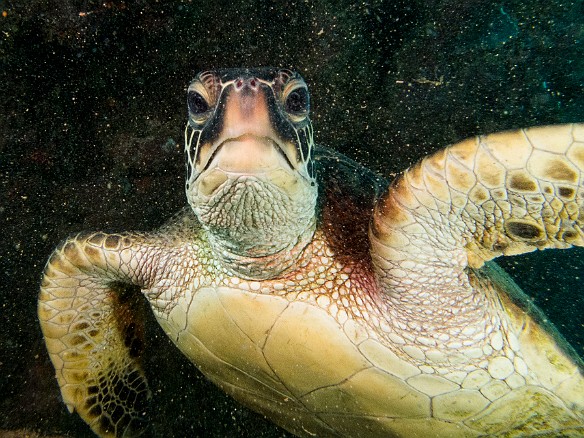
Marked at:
<point>91,251</point>
<point>91,390</point>
<point>81,326</point>
<point>557,170</point>
<point>78,375</point>
<point>538,199</point>
<point>112,241</point>
<point>70,250</point>
<point>523,230</point>
<point>96,239</point>
<point>73,355</point>
<point>521,183</point>
<point>566,192</point>
<point>77,340</point>
<point>479,195</point>
<point>569,235</point>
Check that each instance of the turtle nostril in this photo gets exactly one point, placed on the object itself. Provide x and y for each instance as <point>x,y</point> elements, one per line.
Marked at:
<point>249,84</point>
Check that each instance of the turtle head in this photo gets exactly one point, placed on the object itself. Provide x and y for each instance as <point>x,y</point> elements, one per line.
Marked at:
<point>248,146</point>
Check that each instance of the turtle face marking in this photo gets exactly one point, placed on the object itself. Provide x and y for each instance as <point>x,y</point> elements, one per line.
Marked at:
<point>522,182</point>
<point>566,192</point>
<point>267,105</point>
<point>248,146</point>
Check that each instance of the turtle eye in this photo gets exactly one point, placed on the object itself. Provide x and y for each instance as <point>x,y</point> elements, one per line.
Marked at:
<point>297,101</point>
<point>197,103</point>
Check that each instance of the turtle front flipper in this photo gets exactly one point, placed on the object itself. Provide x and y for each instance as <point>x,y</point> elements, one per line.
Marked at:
<point>92,331</point>
<point>440,221</point>
<point>501,194</point>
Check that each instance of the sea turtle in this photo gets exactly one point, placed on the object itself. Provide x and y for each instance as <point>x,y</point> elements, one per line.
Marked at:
<point>320,295</point>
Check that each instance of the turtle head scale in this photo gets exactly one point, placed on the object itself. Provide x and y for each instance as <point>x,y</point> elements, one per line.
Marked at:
<point>250,178</point>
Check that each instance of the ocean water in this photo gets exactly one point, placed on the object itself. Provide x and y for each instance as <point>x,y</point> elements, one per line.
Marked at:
<point>93,106</point>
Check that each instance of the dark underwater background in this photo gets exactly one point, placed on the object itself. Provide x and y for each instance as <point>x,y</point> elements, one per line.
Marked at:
<point>92,110</point>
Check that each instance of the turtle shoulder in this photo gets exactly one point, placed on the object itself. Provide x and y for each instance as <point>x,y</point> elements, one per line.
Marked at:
<point>347,193</point>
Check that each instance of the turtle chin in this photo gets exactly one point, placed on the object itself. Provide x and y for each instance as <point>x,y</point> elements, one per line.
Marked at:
<point>255,223</point>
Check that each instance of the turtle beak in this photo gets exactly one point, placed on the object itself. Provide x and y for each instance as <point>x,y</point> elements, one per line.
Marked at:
<point>247,143</point>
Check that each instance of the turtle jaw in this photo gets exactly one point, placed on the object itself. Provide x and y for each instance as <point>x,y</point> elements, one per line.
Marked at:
<point>249,155</point>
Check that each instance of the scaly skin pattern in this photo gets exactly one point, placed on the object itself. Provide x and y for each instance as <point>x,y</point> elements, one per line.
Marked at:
<point>425,338</point>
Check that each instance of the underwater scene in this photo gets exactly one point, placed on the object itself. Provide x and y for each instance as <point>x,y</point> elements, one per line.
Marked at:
<point>92,118</point>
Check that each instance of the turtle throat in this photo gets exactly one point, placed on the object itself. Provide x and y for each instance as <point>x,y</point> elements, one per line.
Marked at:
<point>255,227</point>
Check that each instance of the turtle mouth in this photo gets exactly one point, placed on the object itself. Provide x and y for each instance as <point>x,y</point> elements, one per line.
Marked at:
<point>262,158</point>
<point>248,154</point>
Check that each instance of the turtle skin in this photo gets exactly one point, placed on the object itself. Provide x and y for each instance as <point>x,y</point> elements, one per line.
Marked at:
<point>391,320</point>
